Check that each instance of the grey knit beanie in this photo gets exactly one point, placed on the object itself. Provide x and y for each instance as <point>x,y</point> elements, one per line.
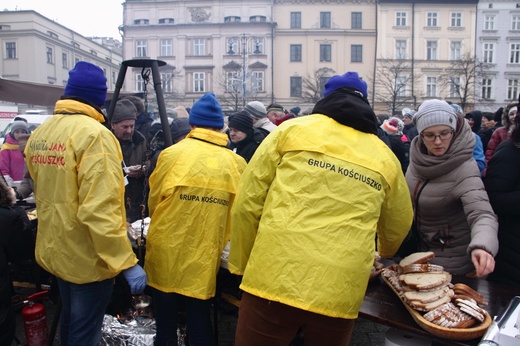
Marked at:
<point>435,112</point>
<point>19,125</point>
<point>124,110</point>
<point>256,109</point>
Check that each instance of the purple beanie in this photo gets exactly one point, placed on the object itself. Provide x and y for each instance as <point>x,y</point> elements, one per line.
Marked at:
<point>349,79</point>
<point>88,82</point>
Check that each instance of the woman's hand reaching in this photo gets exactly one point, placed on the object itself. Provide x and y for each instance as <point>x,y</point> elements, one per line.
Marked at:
<point>483,261</point>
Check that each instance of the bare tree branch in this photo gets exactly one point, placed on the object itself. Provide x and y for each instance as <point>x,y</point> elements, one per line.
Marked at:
<point>231,82</point>
<point>393,83</point>
<point>313,86</point>
<point>463,77</point>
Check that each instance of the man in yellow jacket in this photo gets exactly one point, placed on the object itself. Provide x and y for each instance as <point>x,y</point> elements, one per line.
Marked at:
<point>192,189</point>
<point>75,163</point>
<point>311,201</point>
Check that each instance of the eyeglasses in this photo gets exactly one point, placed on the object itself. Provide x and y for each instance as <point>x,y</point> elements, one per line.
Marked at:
<point>430,137</point>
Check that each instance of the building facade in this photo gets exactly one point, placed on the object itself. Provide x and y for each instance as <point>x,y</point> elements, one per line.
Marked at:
<point>426,49</point>
<point>408,51</point>
<point>498,46</point>
<point>269,51</point>
<point>37,49</point>
<point>225,47</point>
<point>315,40</point>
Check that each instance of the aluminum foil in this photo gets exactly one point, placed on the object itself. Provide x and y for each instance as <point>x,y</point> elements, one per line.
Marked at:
<point>139,331</point>
<point>134,232</point>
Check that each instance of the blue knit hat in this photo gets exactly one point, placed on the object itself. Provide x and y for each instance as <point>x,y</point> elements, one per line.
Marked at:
<point>349,79</point>
<point>295,110</point>
<point>206,112</point>
<point>88,82</point>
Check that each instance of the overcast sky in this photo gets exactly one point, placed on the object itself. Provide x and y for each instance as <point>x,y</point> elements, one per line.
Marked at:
<point>86,17</point>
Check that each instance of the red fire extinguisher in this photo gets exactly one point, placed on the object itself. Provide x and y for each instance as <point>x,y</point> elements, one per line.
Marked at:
<point>35,320</point>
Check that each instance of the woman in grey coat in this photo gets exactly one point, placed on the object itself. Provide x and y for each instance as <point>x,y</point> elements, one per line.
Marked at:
<point>453,214</point>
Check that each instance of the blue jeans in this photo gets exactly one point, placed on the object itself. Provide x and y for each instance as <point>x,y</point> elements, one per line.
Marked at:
<point>166,309</point>
<point>83,310</point>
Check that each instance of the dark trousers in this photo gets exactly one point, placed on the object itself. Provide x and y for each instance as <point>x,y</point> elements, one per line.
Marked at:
<point>166,310</point>
<point>82,312</point>
<point>263,322</point>
<point>7,325</point>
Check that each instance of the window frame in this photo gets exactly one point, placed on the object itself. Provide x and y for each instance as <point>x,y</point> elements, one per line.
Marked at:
<point>454,87</point>
<point>49,51</point>
<point>514,53</point>
<point>257,41</point>
<point>166,47</point>
<point>199,82</point>
<point>296,86</point>
<point>295,53</point>
<point>401,85</point>
<point>490,22</point>
<point>488,53</point>
<point>199,46</point>
<point>141,21</point>
<point>487,89</point>
<point>167,20</point>
<point>139,82</point>
<point>401,46</point>
<point>455,50</point>
<point>431,86</point>
<point>257,19</point>
<point>10,50</point>
<point>432,19</point>
<point>456,19</point>
<point>232,19</point>
<point>325,52</point>
<point>401,18</point>
<point>258,81</point>
<point>356,53</point>
<point>64,60</point>
<point>356,20</point>
<point>296,20</point>
<point>325,20</point>
<point>232,80</point>
<point>515,22</point>
<point>513,88</point>
<point>431,50</point>
<point>141,48</point>
<point>167,82</point>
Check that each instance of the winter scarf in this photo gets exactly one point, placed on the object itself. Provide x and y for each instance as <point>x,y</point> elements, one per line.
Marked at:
<point>461,149</point>
<point>348,108</point>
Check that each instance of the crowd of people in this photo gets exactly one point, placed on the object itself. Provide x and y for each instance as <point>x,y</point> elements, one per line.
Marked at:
<point>301,215</point>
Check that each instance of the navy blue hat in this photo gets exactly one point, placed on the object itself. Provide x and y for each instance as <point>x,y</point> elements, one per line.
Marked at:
<point>87,81</point>
<point>206,112</point>
<point>349,79</point>
<point>296,110</point>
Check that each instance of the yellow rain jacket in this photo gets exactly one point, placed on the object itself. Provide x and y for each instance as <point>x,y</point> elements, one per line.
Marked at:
<point>192,190</point>
<point>305,219</point>
<point>75,163</point>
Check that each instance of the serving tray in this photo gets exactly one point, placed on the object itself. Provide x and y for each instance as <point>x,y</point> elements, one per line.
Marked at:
<point>443,332</point>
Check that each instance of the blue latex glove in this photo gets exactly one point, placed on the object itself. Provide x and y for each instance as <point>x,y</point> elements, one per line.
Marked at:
<point>136,278</point>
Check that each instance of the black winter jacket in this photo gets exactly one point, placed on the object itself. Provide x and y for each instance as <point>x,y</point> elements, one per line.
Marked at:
<point>502,183</point>
<point>247,147</point>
